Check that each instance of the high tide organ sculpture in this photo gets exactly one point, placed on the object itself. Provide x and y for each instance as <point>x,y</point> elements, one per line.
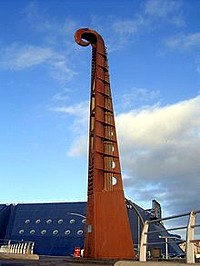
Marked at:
<point>108,232</point>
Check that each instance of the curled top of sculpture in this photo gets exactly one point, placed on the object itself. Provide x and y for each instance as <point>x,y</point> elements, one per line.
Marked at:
<point>86,36</point>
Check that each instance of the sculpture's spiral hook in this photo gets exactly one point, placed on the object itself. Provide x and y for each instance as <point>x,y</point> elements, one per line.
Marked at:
<point>86,36</point>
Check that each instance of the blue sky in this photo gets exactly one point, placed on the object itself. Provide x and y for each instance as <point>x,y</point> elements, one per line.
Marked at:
<point>154,62</point>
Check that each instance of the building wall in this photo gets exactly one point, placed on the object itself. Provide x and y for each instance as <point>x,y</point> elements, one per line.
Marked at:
<point>57,228</point>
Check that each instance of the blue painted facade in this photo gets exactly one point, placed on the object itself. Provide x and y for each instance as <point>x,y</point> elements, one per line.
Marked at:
<point>56,228</point>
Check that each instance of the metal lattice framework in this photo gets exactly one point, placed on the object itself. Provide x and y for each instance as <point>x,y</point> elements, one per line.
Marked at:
<point>108,232</point>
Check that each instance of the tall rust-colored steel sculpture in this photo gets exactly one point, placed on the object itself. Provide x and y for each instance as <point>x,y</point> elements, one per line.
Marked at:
<point>108,232</point>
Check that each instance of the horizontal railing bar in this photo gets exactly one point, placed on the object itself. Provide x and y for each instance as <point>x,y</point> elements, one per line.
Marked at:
<point>161,242</point>
<point>169,218</point>
<point>15,241</point>
<point>196,225</point>
<point>153,243</point>
<point>176,228</point>
<point>170,239</point>
<point>170,229</point>
<point>20,247</point>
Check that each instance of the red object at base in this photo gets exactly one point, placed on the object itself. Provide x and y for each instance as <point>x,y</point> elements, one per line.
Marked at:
<point>77,252</point>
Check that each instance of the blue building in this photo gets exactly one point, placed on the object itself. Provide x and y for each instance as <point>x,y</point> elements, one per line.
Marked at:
<point>57,228</point>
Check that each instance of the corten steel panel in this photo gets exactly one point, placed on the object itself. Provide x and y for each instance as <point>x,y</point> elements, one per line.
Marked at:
<point>108,232</point>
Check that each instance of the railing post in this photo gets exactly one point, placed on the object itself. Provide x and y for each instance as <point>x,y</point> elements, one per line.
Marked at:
<point>190,256</point>
<point>20,248</point>
<point>25,246</point>
<point>143,242</point>
<point>32,247</point>
<point>8,247</point>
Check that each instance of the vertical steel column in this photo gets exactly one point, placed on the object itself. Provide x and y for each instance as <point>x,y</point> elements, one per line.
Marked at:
<point>108,232</point>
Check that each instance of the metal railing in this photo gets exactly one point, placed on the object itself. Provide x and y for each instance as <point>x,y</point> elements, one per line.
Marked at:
<point>16,247</point>
<point>190,236</point>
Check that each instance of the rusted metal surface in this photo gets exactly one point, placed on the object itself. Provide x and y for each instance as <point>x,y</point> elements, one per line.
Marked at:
<point>108,232</point>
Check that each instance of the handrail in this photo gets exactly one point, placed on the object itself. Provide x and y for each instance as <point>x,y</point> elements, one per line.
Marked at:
<point>17,247</point>
<point>169,217</point>
<point>170,229</point>
<point>190,240</point>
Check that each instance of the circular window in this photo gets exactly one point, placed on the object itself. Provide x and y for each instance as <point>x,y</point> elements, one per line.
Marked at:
<point>84,221</point>
<point>21,231</point>
<point>27,221</point>
<point>49,221</point>
<point>32,232</point>
<point>67,232</point>
<point>110,133</point>
<point>79,232</point>
<point>60,221</point>
<point>37,221</point>
<point>43,232</point>
<point>72,221</point>
<point>113,164</point>
<point>55,232</point>
<point>114,181</point>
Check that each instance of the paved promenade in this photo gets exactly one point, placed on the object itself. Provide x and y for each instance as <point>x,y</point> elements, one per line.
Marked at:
<point>64,261</point>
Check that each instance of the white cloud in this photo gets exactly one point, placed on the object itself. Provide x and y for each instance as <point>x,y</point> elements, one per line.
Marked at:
<point>61,96</point>
<point>118,32</point>
<point>128,27</point>
<point>161,8</point>
<point>164,10</point>
<point>18,57</point>
<point>136,97</point>
<point>159,147</point>
<point>159,123</point>
<point>184,41</point>
<point>52,28</point>
<point>60,70</point>
<point>54,49</point>
<point>79,147</point>
<point>160,153</point>
<point>31,10</point>
<point>123,31</point>
<point>153,14</point>
<point>80,112</point>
